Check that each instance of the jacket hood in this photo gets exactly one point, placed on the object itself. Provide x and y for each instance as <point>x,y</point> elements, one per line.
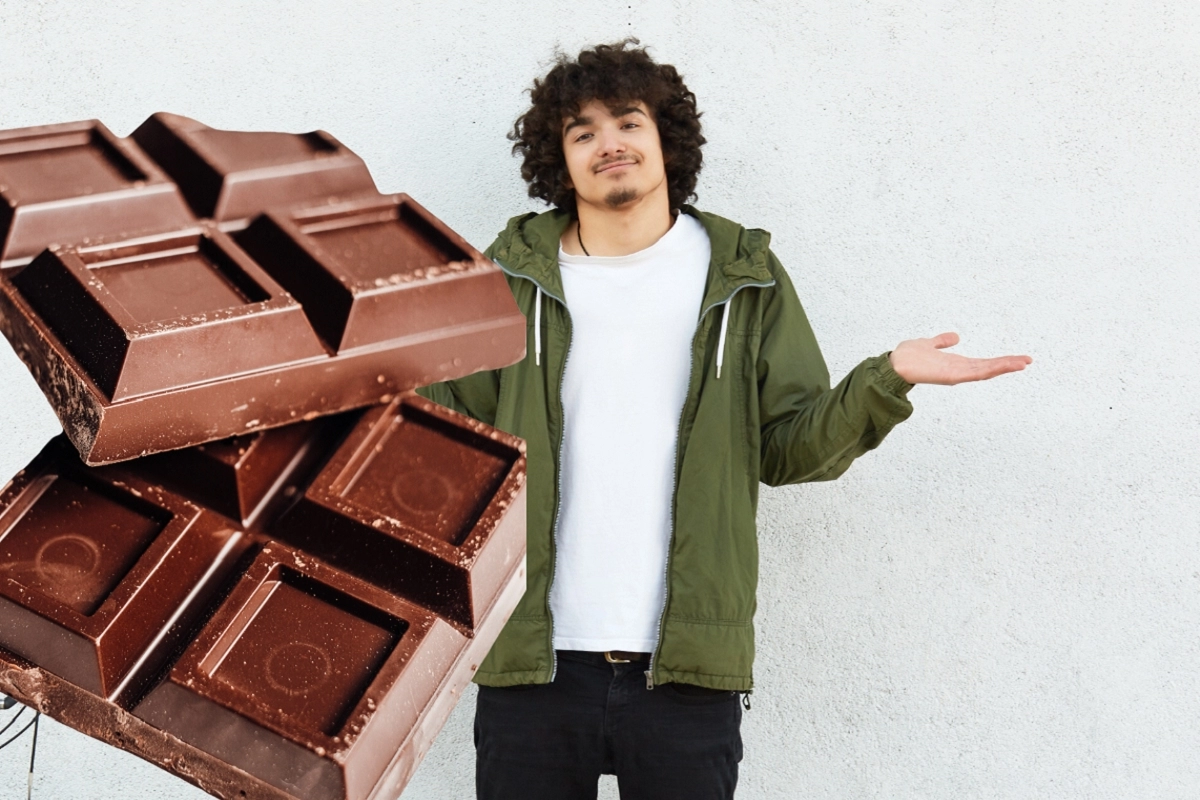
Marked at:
<point>528,247</point>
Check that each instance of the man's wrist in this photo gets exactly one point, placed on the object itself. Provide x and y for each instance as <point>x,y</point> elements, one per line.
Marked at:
<point>891,379</point>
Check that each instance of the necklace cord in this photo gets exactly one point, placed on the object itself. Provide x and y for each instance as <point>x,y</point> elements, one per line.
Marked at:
<point>579,236</point>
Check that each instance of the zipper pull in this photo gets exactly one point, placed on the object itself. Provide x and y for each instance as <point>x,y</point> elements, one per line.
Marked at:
<point>649,680</point>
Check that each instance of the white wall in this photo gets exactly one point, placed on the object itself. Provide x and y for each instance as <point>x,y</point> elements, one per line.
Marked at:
<point>1001,602</point>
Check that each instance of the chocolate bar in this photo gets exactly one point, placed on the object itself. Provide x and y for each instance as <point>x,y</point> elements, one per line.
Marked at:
<point>301,292</point>
<point>240,632</point>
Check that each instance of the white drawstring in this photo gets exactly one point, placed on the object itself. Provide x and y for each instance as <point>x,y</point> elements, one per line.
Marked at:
<point>537,328</point>
<point>537,331</point>
<point>724,329</point>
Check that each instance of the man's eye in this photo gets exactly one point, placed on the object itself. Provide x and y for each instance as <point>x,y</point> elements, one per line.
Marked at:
<point>582,137</point>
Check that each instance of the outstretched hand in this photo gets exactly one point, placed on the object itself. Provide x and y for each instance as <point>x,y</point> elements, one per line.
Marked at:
<point>925,361</point>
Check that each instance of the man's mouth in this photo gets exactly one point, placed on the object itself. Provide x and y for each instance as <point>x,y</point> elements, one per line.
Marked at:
<point>613,164</point>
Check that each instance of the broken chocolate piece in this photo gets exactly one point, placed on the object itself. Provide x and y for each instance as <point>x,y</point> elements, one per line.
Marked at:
<point>227,175</point>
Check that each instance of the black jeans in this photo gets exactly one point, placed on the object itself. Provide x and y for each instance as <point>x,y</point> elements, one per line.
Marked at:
<point>554,741</point>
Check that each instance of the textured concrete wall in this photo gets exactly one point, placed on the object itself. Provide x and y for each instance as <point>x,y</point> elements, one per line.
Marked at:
<point>1001,602</point>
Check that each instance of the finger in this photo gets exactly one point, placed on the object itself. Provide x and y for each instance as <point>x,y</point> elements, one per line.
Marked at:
<point>1009,363</point>
<point>944,340</point>
<point>982,369</point>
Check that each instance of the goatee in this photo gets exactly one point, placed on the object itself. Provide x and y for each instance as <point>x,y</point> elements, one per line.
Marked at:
<point>619,197</point>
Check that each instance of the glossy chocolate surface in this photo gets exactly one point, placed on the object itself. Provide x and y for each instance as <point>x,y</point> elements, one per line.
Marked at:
<point>244,622</point>
<point>66,184</point>
<point>227,175</point>
<point>337,298</point>
<point>372,270</point>
<point>415,485</point>
<point>96,565</point>
<point>166,313</point>
<point>294,677</point>
<point>44,552</point>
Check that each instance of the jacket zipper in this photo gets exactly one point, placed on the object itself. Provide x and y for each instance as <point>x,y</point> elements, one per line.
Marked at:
<point>558,465</point>
<point>662,617</point>
<point>562,438</point>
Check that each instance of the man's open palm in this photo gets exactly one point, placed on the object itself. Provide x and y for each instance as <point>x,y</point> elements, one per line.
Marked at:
<point>925,361</point>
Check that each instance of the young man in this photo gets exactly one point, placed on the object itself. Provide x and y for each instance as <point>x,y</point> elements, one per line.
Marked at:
<point>671,370</point>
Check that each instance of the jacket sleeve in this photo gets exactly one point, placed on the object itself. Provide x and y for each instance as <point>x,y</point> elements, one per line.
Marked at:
<point>475,395</point>
<point>809,431</point>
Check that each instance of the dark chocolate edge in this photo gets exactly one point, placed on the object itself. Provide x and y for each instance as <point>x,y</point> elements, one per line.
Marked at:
<point>166,147</point>
<point>104,720</point>
<point>59,379</point>
<point>86,329</point>
<point>95,717</point>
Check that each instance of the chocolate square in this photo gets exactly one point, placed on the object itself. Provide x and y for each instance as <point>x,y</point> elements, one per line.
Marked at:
<point>306,677</point>
<point>375,270</point>
<point>420,500</point>
<point>165,312</point>
<point>427,477</point>
<point>66,184</point>
<point>240,477</point>
<point>289,644</point>
<point>77,540</point>
<point>98,569</point>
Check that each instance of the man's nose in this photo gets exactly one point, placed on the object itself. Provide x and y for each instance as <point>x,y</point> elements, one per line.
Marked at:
<point>611,142</point>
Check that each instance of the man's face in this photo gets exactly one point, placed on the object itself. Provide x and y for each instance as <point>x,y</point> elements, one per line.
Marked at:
<point>614,156</point>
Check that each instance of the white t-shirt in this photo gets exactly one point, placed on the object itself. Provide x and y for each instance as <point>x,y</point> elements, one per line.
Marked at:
<point>632,319</point>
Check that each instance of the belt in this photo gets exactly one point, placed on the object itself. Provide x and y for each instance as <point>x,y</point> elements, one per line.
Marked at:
<point>610,656</point>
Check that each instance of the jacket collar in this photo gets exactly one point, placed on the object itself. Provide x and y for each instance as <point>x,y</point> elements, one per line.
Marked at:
<point>528,248</point>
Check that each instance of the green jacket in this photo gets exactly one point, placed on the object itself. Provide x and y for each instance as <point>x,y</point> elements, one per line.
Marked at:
<point>769,417</point>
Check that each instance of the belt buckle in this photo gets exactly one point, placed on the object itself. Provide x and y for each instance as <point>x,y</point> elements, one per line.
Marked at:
<point>609,658</point>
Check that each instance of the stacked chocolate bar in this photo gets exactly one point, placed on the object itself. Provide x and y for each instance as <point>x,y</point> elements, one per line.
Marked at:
<point>285,583</point>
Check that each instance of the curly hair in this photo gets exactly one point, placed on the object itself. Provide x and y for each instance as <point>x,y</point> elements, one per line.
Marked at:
<point>615,74</point>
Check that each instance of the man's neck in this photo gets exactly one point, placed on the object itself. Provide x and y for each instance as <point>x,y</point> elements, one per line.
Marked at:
<point>607,231</point>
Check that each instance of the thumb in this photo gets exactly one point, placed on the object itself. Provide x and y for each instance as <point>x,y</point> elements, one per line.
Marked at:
<point>944,340</point>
